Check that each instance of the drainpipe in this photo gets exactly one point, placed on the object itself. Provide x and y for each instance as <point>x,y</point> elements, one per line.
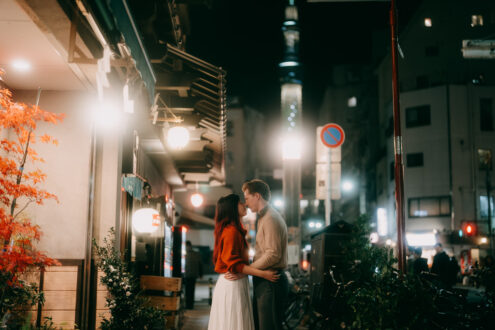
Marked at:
<point>399,168</point>
<point>472,141</point>
<point>449,143</point>
<point>86,285</point>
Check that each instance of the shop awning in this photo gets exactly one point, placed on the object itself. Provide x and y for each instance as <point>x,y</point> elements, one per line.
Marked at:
<point>195,90</point>
<point>190,218</point>
<point>116,17</point>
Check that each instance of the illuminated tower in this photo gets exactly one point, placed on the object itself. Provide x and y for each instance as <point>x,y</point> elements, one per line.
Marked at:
<point>291,103</point>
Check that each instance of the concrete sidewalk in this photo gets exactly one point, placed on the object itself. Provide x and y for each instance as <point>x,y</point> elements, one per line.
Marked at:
<point>197,318</point>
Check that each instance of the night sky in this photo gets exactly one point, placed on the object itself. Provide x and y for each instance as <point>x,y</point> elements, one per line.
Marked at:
<point>244,37</point>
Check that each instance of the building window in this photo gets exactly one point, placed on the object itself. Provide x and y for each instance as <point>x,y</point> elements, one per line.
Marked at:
<point>476,20</point>
<point>431,51</point>
<point>352,102</point>
<point>428,22</point>
<point>392,171</point>
<point>418,116</point>
<point>422,82</point>
<point>486,114</point>
<point>429,207</point>
<point>484,207</point>
<point>415,160</point>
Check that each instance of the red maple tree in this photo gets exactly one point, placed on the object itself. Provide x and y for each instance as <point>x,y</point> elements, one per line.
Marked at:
<point>19,187</point>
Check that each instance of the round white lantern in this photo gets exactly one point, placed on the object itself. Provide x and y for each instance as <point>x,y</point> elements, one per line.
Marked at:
<point>146,220</point>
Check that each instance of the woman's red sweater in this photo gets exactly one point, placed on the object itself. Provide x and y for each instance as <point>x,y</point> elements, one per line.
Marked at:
<point>232,251</point>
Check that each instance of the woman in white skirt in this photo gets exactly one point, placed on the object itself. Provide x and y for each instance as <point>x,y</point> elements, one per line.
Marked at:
<point>231,308</point>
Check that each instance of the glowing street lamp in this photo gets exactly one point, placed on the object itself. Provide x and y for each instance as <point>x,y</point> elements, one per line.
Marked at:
<point>347,186</point>
<point>291,148</point>
<point>278,203</point>
<point>197,199</point>
<point>21,65</point>
<point>178,137</point>
<point>106,116</point>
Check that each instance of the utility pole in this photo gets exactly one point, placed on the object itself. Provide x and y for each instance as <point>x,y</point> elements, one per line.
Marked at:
<point>485,163</point>
<point>399,168</point>
<point>489,199</point>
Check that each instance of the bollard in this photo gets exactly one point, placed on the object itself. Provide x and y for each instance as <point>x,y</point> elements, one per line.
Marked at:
<point>210,289</point>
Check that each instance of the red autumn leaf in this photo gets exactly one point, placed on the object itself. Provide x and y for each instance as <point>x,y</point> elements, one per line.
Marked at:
<point>17,234</point>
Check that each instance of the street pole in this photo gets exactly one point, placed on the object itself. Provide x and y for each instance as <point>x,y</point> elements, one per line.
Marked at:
<point>328,196</point>
<point>291,109</point>
<point>399,170</point>
<point>488,197</point>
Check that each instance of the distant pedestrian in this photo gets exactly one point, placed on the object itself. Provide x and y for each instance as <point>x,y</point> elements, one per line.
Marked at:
<point>194,269</point>
<point>420,265</point>
<point>454,270</point>
<point>441,265</point>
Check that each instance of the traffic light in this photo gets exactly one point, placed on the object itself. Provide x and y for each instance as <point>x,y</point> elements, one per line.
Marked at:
<point>469,228</point>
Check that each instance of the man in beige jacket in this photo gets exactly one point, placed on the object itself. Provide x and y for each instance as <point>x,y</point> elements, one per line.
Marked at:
<point>270,298</point>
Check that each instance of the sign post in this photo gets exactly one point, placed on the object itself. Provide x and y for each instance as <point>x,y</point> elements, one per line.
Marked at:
<point>328,156</point>
<point>399,168</point>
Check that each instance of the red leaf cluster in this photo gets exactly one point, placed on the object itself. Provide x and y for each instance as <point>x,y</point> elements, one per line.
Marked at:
<point>18,121</point>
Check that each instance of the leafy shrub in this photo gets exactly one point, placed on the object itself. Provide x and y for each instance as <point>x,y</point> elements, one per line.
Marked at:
<point>128,308</point>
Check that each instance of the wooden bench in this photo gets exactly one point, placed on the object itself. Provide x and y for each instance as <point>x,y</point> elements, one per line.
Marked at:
<point>164,293</point>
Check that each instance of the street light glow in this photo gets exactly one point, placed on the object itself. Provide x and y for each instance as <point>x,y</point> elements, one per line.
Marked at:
<point>279,203</point>
<point>347,185</point>
<point>21,65</point>
<point>106,115</point>
<point>197,199</point>
<point>178,137</point>
<point>291,148</point>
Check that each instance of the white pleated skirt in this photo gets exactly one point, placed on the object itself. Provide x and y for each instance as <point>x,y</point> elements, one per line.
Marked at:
<point>231,308</point>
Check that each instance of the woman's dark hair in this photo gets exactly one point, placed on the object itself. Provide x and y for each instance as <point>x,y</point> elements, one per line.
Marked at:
<point>227,213</point>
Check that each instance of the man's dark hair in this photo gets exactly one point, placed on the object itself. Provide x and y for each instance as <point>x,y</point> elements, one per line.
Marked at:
<point>257,186</point>
<point>188,243</point>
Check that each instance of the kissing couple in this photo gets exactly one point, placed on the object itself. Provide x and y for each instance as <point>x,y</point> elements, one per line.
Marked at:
<point>231,307</point>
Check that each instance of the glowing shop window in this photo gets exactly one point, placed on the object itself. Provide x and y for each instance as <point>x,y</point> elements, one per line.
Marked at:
<point>476,20</point>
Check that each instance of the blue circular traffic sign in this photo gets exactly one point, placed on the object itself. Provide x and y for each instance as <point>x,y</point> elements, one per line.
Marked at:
<point>332,135</point>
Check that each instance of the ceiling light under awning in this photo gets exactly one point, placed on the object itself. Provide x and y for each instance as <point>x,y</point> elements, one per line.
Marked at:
<point>21,65</point>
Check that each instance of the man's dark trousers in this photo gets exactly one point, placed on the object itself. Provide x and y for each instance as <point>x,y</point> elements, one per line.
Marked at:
<point>269,302</point>
<point>190,288</point>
